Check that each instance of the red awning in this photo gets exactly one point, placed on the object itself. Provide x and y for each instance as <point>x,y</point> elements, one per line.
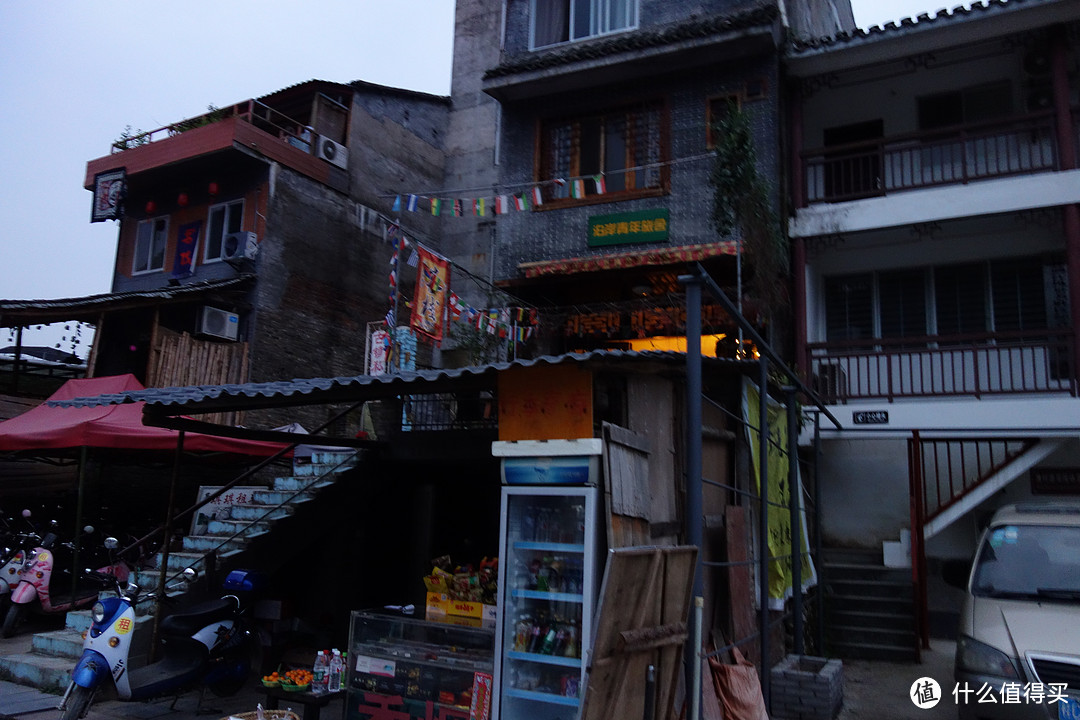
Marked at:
<point>653,256</point>
<point>48,427</point>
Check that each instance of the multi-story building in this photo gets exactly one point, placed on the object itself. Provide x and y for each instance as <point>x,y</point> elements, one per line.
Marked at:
<point>936,238</point>
<point>249,247</point>
<point>598,116</point>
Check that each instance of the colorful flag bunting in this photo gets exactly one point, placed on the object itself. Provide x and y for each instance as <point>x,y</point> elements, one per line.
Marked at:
<point>521,202</point>
<point>478,207</point>
<point>411,205</point>
<point>537,197</point>
<point>501,206</point>
<point>577,188</point>
<point>436,206</point>
<point>457,208</point>
<point>397,204</point>
<point>601,185</point>
<point>455,305</point>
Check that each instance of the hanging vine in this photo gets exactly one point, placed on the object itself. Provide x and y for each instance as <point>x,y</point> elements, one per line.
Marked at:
<point>742,205</point>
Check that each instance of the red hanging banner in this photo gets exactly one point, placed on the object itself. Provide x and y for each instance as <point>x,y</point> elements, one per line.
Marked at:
<point>432,281</point>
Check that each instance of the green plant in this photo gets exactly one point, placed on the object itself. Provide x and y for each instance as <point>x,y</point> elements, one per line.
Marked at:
<point>742,204</point>
<point>130,138</point>
<point>212,115</point>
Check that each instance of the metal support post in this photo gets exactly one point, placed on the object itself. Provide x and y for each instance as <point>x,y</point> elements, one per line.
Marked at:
<point>763,524</point>
<point>795,501</point>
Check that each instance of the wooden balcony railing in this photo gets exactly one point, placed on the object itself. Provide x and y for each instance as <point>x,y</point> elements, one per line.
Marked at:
<point>971,365</point>
<point>943,157</point>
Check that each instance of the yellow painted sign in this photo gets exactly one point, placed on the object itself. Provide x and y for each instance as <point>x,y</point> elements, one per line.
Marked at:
<point>545,402</point>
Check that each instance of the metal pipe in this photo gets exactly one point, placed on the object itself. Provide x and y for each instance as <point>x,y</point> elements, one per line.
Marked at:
<point>763,525</point>
<point>819,638</point>
<point>650,693</point>
<point>795,501</point>
<point>695,675</point>
<point>164,571</point>
<point>694,520</point>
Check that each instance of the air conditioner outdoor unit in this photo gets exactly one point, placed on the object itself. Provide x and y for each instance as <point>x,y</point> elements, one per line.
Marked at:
<point>240,246</point>
<point>219,324</point>
<point>332,152</point>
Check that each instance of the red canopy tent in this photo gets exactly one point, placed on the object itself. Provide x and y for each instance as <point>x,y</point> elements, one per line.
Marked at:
<point>47,427</point>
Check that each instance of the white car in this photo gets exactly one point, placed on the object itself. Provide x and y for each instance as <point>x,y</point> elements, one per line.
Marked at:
<point>1018,646</point>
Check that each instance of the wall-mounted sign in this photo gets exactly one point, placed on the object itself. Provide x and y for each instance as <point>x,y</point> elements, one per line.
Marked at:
<point>108,195</point>
<point>870,417</point>
<point>640,226</point>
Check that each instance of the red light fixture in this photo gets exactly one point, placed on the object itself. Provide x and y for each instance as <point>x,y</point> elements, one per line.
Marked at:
<point>151,207</point>
<point>182,200</point>
<point>212,188</point>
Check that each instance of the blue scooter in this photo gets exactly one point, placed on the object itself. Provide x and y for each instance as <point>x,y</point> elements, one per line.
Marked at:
<point>207,646</point>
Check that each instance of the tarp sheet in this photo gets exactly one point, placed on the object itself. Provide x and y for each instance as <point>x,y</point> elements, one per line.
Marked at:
<point>48,427</point>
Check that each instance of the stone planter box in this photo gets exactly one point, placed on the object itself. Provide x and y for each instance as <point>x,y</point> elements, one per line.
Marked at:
<point>807,688</point>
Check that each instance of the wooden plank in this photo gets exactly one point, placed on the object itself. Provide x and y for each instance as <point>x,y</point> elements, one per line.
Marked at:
<point>645,596</point>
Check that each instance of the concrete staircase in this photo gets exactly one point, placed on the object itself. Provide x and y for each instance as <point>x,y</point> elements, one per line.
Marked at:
<point>229,542</point>
<point>869,610</point>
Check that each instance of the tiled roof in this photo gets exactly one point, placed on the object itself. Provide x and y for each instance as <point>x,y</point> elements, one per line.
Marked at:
<point>941,18</point>
<point>636,40</point>
<point>176,400</point>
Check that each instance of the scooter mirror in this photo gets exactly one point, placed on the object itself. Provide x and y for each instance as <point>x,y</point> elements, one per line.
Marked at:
<point>26,513</point>
<point>189,575</point>
<point>111,543</point>
<point>88,529</point>
<point>54,524</point>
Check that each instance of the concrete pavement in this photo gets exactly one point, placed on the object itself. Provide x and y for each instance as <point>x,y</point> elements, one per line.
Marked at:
<point>881,690</point>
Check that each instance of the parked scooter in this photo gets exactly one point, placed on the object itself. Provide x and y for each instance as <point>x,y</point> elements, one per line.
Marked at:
<point>17,544</point>
<point>207,646</point>
<point>45,585</point>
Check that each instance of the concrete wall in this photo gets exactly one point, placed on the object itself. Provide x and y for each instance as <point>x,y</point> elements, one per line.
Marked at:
<point>471,137</point>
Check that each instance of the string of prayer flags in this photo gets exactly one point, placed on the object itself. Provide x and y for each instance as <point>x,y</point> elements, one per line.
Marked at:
<point>503,203</point>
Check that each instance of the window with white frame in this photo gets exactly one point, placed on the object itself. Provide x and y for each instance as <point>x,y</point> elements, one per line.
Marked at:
<point>224,219</point>
<point>150,239</point>
<point>557,21</point>
<point>951,300</point>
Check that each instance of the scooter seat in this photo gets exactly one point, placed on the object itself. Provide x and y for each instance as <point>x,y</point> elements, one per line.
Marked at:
<point>183,663</point>
<point>189,621</point>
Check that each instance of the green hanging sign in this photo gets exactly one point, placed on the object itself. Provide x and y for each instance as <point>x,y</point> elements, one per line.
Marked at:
<point>639,226</point>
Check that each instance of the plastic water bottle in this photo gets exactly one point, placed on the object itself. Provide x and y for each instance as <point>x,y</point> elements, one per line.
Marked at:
<point>344,669</point>
<point>319,672</point>
<point>333,682</point>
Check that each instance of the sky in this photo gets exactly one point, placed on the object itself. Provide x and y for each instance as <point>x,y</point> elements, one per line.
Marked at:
<point>75,74</point>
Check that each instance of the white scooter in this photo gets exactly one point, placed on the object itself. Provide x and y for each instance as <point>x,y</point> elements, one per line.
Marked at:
<point>204,646</point>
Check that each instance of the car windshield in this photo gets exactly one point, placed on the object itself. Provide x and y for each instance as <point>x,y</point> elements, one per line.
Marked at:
<point>1029,561</point>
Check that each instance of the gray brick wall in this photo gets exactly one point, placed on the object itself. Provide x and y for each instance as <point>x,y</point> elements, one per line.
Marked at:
<point>562,233</point>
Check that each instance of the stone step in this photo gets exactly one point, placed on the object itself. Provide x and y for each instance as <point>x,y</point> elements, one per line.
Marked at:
<point>259,513</point>
<point>860,587</point>
<point>44,672</point>
<point>67,643</point>
<point>871,651</point>
<point>238,527</point>
<point>868,603</point>
<point>295,484</point>
<point>868,571</point>
<point>869,618</point>
<point>886,637</point>
<point>221,544</point>
<point>180,560</point>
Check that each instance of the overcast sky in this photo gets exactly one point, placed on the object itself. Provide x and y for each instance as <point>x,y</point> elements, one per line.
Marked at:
<point>75,74</point>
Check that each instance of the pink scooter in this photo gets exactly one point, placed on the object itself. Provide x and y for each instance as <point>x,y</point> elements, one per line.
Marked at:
<point>37,591</point>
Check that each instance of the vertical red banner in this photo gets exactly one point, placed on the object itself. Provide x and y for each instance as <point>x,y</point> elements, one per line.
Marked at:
<point>432,283</point>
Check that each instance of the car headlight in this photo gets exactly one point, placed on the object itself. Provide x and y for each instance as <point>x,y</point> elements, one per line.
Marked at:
<point>979,658</point>
<point>98,613</point>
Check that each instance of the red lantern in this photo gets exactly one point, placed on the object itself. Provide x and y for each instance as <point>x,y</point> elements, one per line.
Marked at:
<point>151,207</point>
<point>182,200</point>
<point>212,189</point>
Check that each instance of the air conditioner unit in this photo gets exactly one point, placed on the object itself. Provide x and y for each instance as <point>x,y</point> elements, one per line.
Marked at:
<point>219,324</point>
<point>332,152</point>
<point>240,246</point>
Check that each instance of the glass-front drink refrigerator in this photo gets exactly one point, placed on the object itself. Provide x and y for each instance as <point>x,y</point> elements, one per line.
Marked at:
<point>547,577</point>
